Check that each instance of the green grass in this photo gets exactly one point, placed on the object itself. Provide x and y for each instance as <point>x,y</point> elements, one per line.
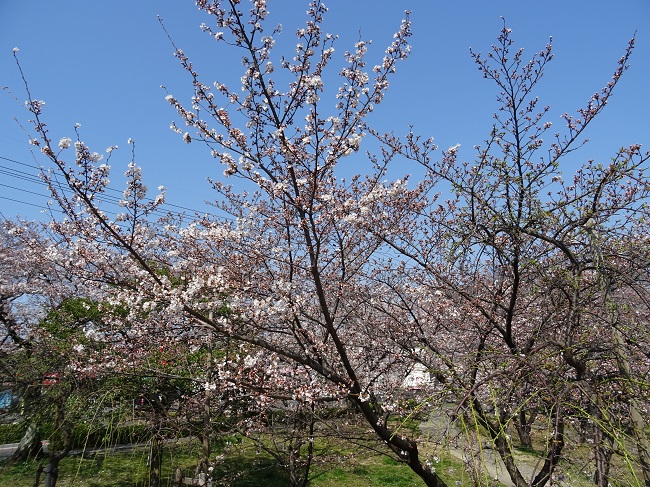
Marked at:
<point>375,472</point>
<point>240,466</point>
<point>11,432</point>
<point>114,469</point>
<point>103,468</point>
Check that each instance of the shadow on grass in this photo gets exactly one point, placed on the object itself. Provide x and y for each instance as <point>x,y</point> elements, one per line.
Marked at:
<point>244,471</point>
<point>130,469</point>
<point>237,468</point>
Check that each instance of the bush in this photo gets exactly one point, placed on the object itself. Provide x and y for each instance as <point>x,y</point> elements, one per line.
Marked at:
<point>11,432</point>
<point>86,435</point>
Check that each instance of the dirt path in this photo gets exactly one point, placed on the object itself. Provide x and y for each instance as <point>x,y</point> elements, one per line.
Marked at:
<point>441,431</point>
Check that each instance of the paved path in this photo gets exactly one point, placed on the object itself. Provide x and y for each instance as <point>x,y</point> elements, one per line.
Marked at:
<point>7,450</point>
<point>440,430</point>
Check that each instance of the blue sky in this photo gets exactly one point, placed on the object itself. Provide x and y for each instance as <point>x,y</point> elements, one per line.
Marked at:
<point>101,64</point>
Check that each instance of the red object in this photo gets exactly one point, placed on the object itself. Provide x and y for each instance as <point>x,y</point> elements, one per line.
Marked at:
<point>51,378</point>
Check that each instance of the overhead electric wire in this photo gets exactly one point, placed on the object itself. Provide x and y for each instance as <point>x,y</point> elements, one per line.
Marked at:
<point>23,191</point>
<point>35,179</point>
<point>20,175</point>
<point>26,203</point>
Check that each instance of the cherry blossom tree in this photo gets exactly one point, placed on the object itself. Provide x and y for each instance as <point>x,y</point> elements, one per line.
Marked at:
<point>288,265</point>
<point>20,278</point>
<point>42,344</point>
<point>333,289</point>
<point>513,253</point>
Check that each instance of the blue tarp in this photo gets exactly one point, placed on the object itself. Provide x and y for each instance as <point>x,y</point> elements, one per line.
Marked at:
<point>6,399</point>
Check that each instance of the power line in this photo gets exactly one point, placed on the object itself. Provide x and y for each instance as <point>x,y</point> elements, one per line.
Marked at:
<point>36,179</point>
<point>20,175</point>
<point>26,203</point>
<point>23,190</point>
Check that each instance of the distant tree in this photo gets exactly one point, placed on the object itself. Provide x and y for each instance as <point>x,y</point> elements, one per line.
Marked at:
<point>513,270</point>
<point>29,286</point>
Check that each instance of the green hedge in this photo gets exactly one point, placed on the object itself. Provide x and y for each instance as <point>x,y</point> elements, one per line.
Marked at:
<point>83,435</point>
<point>11,432</point>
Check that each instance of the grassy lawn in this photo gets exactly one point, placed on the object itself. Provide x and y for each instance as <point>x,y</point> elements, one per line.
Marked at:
<point>383,471</point>
<point>240,466</point>
<point>114,469</point>
<point>239,463</point>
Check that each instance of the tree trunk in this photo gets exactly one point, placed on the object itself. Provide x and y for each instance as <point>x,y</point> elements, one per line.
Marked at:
<point>303,426</point>
<point>206,433</point>
<point>404,448</point>
<point>30,445</point>
<point>500,442</point>
<point>553,455</point>
<point>37,477</point>
<point>602,455</point>
<point>638,422</point>
<point>503,448</point>
<point>295,479</point>
<point>310,447</point>
<point>155,461</point>
<point>523,426</point>
<point>52,470</point>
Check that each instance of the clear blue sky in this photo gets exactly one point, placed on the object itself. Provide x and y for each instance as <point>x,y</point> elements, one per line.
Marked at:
<point>101,63</point>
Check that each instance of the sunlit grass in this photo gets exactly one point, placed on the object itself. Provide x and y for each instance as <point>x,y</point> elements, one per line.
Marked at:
<point>239,466</point>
